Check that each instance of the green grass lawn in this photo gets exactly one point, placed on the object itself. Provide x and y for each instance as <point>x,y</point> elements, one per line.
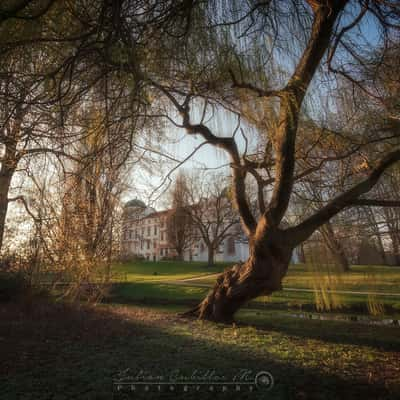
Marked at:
<point>360,278</point>
<point>59,351</point>
<point>151,283</point>
<point>56,351</point>
<point>165,270</point>
<point>147,282</point>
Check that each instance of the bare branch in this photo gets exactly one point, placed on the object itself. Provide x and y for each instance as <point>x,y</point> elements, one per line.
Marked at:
<point>25,204</point>
<point>302,231</point>
<point>260,92</point>
<point>376,203</point>
<point>325,16</point>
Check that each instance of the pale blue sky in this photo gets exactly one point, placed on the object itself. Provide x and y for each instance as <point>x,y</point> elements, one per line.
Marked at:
<point>366,35</point>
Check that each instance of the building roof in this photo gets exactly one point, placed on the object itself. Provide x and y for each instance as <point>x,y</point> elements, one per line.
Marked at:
<point>157,214</point>
<point>135,203</point>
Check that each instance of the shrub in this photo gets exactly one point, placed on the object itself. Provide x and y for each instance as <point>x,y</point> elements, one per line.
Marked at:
<point>13,286</point>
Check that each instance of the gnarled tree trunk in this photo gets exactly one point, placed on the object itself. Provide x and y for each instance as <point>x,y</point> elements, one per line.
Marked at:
<point>261,274</point>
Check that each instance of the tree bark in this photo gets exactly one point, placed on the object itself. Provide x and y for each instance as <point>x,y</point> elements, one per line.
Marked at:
<point>180,255</point>
<point>5,181</point>
<point>261,274</point>
<point>335,247</point>
<point>210,255</point>
<point>302,256</point>
<point>8,166</point>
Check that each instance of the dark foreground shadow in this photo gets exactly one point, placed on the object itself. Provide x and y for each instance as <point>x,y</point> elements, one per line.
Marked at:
<point>61,352</point>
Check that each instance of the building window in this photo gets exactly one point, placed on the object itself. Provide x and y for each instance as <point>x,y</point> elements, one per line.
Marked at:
<point>148,244</point>
<point>161,252</point>
<point>162,235</point>
<point>155,229</point>
<point>148,231</point>
<point>130,234</point>
<point>154,244</point>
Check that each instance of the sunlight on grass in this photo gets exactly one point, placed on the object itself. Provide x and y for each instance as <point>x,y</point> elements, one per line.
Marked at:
<point>148,281</point>
<point>360,277</point>
<point>136,271</point>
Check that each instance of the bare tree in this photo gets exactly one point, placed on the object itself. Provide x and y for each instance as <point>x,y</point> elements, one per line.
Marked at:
<point>389,187</point>
<point>22,125</point>
<point>179,225</point>
<point>211,212</point>
<point>335,246</point>
<point>85,229</point>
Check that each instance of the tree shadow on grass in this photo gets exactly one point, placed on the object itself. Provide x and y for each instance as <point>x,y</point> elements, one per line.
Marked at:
<point>385,338</point>
<point>154,293</point>
<point>56,351</point>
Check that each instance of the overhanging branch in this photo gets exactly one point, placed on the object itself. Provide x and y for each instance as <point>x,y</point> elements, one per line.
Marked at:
<point>226,143</point>
<point>376,203</point>
<point>258,91</point>
<point>305,229</point>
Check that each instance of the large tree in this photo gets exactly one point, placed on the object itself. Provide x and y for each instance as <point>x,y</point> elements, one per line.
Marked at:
<point>328,42</point>
<point>52,55</point>
<point>24,124</point>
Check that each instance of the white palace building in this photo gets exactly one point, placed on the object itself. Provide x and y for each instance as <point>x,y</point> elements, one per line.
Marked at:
<point>144,234</point>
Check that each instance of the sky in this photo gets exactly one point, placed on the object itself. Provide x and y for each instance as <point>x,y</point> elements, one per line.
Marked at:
<point>366,36</point>
<point>180,146</point>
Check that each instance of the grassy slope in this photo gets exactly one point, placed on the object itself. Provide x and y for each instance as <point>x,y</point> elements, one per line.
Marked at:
<point>58,352</point>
